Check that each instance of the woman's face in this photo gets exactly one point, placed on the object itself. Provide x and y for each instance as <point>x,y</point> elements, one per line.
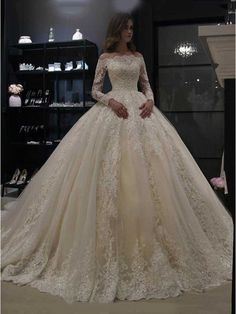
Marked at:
<point>127,33</point>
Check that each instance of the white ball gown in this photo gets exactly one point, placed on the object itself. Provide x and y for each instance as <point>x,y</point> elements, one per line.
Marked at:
<point>120,210</point>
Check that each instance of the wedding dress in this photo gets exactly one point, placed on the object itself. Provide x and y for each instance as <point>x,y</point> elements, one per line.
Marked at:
<point>120,210</point>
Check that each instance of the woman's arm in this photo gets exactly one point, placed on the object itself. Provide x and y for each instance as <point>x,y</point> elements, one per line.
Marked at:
<point>97,87</point>
<point>143,80</point>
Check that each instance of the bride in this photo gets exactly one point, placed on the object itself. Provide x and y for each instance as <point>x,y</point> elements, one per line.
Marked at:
<point>120,210</point>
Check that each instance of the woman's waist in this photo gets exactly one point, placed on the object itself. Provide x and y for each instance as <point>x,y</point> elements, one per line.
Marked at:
<point>124,86</point>
<point>126,93</point>
<point>131,96</point>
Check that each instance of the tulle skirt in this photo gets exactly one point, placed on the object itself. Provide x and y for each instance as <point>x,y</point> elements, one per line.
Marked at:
<point>120,210</point>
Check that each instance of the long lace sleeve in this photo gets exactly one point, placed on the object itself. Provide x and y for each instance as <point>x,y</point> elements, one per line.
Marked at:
<point>97,88</point>
<point>144,82</point>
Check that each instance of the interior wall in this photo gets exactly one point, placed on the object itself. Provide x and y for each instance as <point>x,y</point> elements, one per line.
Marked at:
<point>169,10</point>
<point>34,18</point>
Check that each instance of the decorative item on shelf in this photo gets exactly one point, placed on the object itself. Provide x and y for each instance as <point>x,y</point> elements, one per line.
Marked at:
<point>33,142</point>
<point>77,35</point>
<point>26,67</point>
<point>46,98</point>
<point>33,98</point>
<point>15,177</point>
<point>69,66</point>
<point>231,10</point>
<point>22,133</point>
<point>51,35</point>
<point>41,90</point>
<point>217,182</point>
<point>24,40</point>
<point>31,134</point>
<point>27,97</point>
<point>15,99</point>
<point>61,104</point>
<point>19,177</point>
<point>79,65</point>
<point>51,67</point>
<point>221,181</point>
<point>18,180</point>
<point>57,66</point>
<point>39,69</point>
<point>23,177</point>
<point>54,104</point>
<point>39,97</point>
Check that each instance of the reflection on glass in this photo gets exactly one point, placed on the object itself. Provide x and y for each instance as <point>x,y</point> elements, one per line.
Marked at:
<point>189,95</point>
<point>230,16</point>
<point>186,49</point>
<point>203,133</point>
<point>177,41</point>
<point>189,89</point>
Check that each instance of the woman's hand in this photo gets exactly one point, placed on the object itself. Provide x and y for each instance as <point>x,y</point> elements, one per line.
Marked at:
<point>118,108</point>
<point>146,108</point>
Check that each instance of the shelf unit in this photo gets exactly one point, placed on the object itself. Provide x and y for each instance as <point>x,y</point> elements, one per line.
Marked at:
<point>70,98</point>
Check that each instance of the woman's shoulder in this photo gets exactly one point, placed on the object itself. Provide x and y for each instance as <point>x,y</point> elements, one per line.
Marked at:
<point>138,54</point>
<point>107,55</point>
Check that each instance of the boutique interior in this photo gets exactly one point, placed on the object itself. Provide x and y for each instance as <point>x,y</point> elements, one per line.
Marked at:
<point>49,57</point>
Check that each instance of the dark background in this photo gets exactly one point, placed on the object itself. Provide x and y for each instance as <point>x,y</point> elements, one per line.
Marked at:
<point>157,23</point>
<point>157,26</point>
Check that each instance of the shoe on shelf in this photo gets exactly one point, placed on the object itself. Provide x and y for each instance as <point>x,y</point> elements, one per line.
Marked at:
<point>22,178</point>
<point>69,66</point>
<point>15,177</point>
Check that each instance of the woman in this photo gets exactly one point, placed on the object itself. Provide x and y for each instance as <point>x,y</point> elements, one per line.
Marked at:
<point>120,210</point>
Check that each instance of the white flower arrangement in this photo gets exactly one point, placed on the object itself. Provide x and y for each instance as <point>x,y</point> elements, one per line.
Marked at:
<point>15,89</point>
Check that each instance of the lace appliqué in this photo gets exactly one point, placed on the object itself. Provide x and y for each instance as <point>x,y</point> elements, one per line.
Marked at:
<point>98,82</point>
<point>102,68</point>
<point>144,82</point>
<point>97,266</point>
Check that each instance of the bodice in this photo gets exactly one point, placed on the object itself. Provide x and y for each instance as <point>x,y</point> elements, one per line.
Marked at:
<point>124,71</point>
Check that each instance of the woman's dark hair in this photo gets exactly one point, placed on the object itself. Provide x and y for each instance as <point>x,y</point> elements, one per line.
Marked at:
<point>117,24</point>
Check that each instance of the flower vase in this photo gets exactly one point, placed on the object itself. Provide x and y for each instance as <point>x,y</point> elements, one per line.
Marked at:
<point>77,35</point>
<point>14,101</point>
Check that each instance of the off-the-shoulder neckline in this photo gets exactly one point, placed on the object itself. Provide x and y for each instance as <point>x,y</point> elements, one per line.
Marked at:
<point>111,56</point>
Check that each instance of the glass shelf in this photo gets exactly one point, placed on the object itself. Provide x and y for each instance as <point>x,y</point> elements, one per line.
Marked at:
<point>57,44</point>
<point>40,72</point>
<point>52,108</point>
<point>54,144</point>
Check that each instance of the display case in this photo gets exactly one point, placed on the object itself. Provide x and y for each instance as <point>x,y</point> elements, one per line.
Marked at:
<point>57,79</point>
